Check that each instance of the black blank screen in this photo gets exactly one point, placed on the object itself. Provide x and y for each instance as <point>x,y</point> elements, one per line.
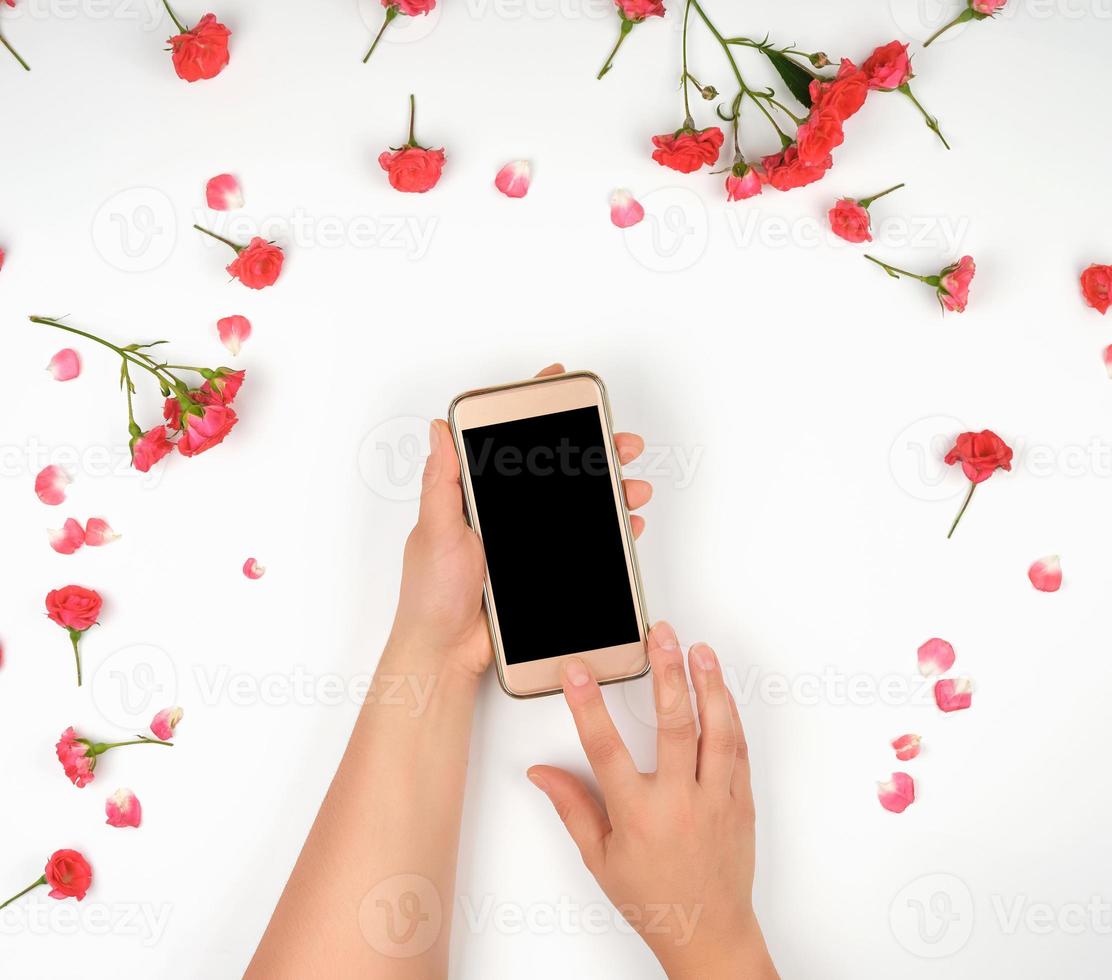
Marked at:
<point>551,532</point>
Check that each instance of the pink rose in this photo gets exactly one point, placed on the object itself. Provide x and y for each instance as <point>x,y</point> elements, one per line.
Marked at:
<point>638,10</point>
<point>150,447</point>
<point>73,607</point>
<point>411,8</point>
<point>201,432</point>
<point>747,184</point>
<point>1096,287</point>
<point>888,67</point>
<point>820,134</point>
<point>850,221</point>
<point>953,288</point>
<point>257,265</point>
<point>412,169</point>
<point>987,7</point>
<point>76,758</point>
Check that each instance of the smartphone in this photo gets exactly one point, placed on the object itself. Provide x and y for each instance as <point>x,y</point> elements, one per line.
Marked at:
<point>543,490</point>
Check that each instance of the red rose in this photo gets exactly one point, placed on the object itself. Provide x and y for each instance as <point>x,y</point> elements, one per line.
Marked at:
<point>411,8</point>
<point>849,220</point>
<point>638,10</point>
<point>786,170</point>
<point>148,448</point>
<point>412,169</point>
<point>844,95</point>
<point>73,607</point>
<point>258,265</point>
<point>818,136</point>
<point>981,454</point>
<point>202,52</point>
<point>201,432</point>
<point>68,874</point>
<point>687,150</point>
<point>888,67</point>
<point>1096,286</point>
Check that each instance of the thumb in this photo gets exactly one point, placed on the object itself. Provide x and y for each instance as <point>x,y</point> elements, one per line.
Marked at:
<point>585,820</point>
<point>441,496</point>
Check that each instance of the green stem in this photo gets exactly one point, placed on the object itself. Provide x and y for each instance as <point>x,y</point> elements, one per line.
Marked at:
<point>31,887</point>
<point>104,343</point>
<point>866,201</point>
<point>100,748</point>
<point>177,23</point>
<point>960,19</point>
<point>687,120</point>
<point>968,497</point>
<point>221,238</point>
<point>627,26</point>
<point>15,54</point>
<point>799,121</point>
<point>75,639</point>
<point>391,13</point>
<point>931,122</point>
<point>896,273</point>
<point>412,120</point>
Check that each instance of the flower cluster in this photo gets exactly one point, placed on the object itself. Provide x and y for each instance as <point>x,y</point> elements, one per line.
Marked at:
<point>197,417</point>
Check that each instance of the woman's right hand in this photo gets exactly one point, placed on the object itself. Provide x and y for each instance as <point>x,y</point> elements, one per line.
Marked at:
<point>674,849</point>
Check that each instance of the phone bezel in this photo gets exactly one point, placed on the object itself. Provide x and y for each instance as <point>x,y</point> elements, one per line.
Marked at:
<point>528,399</point>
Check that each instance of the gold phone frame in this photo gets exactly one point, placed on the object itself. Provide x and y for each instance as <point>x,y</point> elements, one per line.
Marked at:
<point>528,399</point>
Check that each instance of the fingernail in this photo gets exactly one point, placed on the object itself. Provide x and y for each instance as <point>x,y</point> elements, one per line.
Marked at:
<point>705,658</point>
<point>664,636</point>
<point>434,436</point>
<point>576,672</point>
<point>537,781</point>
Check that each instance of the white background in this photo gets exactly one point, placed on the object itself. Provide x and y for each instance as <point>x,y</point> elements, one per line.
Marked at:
<point>815,395</point>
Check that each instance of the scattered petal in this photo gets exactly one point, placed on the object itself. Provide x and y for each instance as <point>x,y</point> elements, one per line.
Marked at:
<point>223,193</point>
<point>514,178</point>
<point>954,694</point>
<point>253,570</point>
<point>1108,360</point>
<point>233,330</point>
<point>50,485</point>
<point>1046,574</point>
<point>898,793</point>
<point>906,746</point>
<point>65,365</point>
<point>1096,287</point>
<point>625,210</point>
<point>68,538</point>
<point>165,722</point>
<point>123,809</point>
<point>98,533</point>
<point>935,657</point>
<point>1,258</point>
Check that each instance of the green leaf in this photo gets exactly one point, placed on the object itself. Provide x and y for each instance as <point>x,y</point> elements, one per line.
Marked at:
<point>795,76</point>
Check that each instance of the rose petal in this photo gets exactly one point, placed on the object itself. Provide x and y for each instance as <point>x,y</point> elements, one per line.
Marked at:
<point>1,258</point>
<point>935,657</point>
<point>223,193</point>
<point>1108,360</point>
<point>898,793</point>
<point>252,569</point>
<point>625,211</point>
<point>68,538</point>
<point>906,746</point>
<point>65,365</point>
<point>164,723</point>
<point>233,330</point>
<point>514,178</point>
<point>1046,574</point>
<point>98,533</point>
<point>50,485</point>
<point>123,809</point>
<point>954,694</point>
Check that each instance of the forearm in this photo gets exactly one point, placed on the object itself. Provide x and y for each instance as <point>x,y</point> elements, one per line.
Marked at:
<point>372,891</point>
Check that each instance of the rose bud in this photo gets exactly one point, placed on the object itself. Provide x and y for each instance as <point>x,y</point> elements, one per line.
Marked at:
<point>977,10</point>
<point>412,168</point>
<point>122,809</point>
<point>67,873</point>
<point>165,722</point>
<point>688,149</point>
<point>202,52</point>
<point>74,609</point>
<point>951,285</point>
<point>743,182</point>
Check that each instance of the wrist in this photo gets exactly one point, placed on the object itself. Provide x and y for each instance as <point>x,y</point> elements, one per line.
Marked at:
<point>743,956</point>
<point>409,664</point>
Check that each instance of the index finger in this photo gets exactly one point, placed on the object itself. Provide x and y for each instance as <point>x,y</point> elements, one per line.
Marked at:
<point>606,752</point>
